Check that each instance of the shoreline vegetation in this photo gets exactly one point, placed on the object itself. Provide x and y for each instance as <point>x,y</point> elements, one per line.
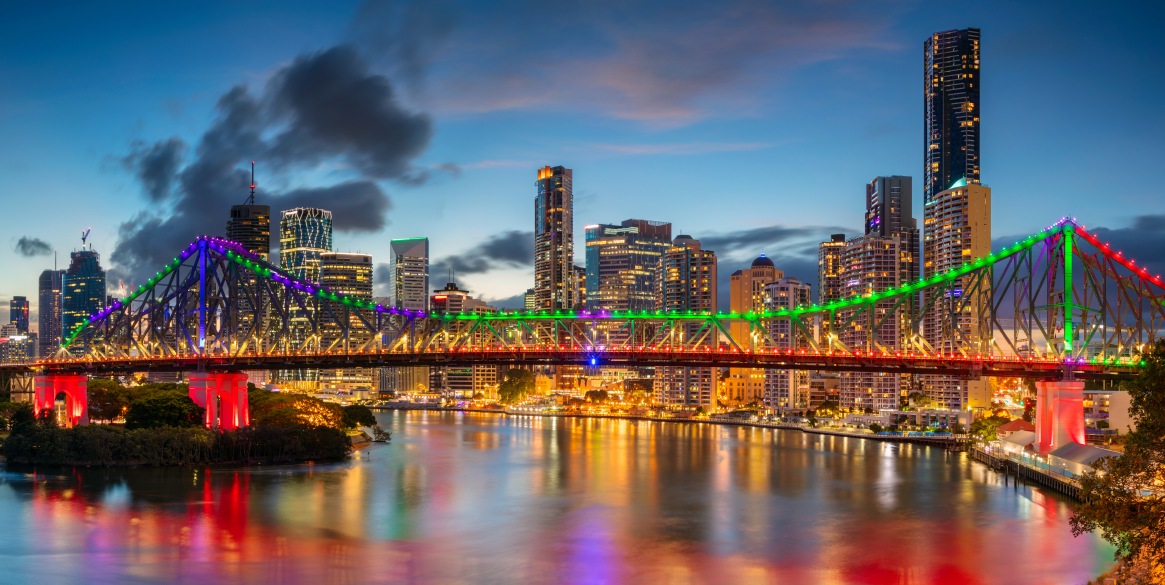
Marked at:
<point>158,425</point>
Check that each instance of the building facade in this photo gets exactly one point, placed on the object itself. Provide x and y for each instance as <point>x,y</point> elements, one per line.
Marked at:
<point>250,225</point>
<point>872,264</point>
<point>349,275</point>
<point>554,281</point>
<point>83,294</point>
<point>746,293</point>
<point>18,314</point>
<point>410,290</point>
<point>49,316</point>
<point>890,214</point>
<point>786,389</point>
<point>951,110</point>
<point>622,264</point>
<point>829,279</point>
<point>957,230</point>
<point>304,234</point>
<point>687,281</point>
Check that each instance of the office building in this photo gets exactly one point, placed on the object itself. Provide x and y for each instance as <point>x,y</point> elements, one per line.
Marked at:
<point>746,294</point>
<point>890,214</point>
<point>687,281</point>
<point>18,314</point>
<point>951,110</point>
<point>957,230</point>
<point>49,317</point>
<point>463,381</point>
<point>829,278</point>
<point>304,234</point>
<point>83,294</point>
<point>349,275</point>
<point>786,389</point>
<point>410,290</point>
<point>529,300</point>
<point>554,286</point>
<point>871,264</point>
<point>623,264</point>
<point>250,226</point>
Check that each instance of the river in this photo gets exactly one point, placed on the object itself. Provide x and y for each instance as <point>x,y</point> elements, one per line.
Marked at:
<point>484,498</point>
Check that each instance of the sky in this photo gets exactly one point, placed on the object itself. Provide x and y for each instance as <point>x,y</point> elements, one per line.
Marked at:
<point>752,126</point>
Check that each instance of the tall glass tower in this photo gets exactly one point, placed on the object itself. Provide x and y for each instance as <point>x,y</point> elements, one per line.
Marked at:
<point>18,314</point>
<point>250,224</point>
<point>49,312</point>
<point>554,286</point>
<point>951,108</point>
<point>304,234</point>
<point>83,293</point>
<point>410,273</point>
<point>623,264</point>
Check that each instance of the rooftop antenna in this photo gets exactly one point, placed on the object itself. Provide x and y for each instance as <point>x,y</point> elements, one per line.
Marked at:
<point>251,199</point>
<point>85,236</point>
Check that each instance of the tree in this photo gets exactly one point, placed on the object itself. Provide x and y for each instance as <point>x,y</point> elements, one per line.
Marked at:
<point>958,428</point>
<point>597,395</point>
<point>164,409</point>
<point>108,400</point>
<point>875,428</point>
<point>358,415</point>
<point>1029,410</point>
<point>1123,496</point>
<point>515,386</point>
<point>985,427</point>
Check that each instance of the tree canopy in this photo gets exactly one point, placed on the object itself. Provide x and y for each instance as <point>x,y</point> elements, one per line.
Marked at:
<point>515,386</point>
<point>358,415</point>
<point>1124,498</point>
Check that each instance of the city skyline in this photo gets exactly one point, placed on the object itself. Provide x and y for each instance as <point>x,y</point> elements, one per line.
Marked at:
<point>502,275</point>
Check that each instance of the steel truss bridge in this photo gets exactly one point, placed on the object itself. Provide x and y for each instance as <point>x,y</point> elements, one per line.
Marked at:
<point>1060,303</point>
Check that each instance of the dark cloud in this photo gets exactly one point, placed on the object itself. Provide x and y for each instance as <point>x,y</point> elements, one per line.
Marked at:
<point>322,108</point>
<point>510,249</point>
<point>1143,240</point>
<point>155,166</point>
<point>769,239</point>
<point>382,280</point>
<point>30,247</point>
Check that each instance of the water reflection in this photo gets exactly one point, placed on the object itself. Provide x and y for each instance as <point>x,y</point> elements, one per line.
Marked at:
<point>465,498</point>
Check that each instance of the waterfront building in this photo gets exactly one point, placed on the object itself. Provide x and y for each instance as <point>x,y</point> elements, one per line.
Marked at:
<point>786,389</point>
<point>957,230</point>
<point>410,290</point>
<point>829,278</point>
<point>687,281</point>
<point>554,286</point>
<point>463,382</point>
<point>348,275</point>
<point>83,294</point>
<point>746,294</point>
<point>49,317</point>
<point>304,234</point>
<point>18,313</point>
<point>622,264</point>
<point>872,264</point>
<point>529,300</point>
<point>15,347</point>
<point>951,109</point>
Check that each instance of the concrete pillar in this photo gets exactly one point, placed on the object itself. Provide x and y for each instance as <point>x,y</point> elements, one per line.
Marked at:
<point>76,390</point>
<point>224,396</point>
<point>1059,414</point>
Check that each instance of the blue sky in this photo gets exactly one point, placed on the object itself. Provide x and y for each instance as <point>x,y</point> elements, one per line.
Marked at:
<point>431,118</point>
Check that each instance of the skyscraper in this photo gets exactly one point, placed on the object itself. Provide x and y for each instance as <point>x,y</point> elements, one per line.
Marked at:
<point>829,278</point>
<point>250,224</point>
<point>410,290</point>
<point>890,214</point>
<point>18,314</point>
<point>687,281</point>
<point>410,273</point>
<point>957,230</point>
<point>83,294</point>
<point>951,109</point>
<point>348,275</point>
<point>871,264</point>
<point>554,286</point>
<point>746,293</point>
<point>49,312</point>
<point>623,264</point>
<point>304,234</point>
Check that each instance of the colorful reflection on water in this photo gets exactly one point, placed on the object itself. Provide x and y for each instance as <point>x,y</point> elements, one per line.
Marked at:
<point>478,498</point>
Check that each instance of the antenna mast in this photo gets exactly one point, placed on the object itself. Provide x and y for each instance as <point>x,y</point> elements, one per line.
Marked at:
<point>251,199</point>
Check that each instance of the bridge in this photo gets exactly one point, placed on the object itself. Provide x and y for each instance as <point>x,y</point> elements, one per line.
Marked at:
<point>1057,306</point>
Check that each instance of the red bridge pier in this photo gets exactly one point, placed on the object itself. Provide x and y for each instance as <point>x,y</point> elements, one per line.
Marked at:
<point>224,396</point>
<point>75,389</point>
<point>1059,414</point>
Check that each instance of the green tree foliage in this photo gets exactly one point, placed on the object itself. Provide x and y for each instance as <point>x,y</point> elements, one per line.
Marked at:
<point>1124,498</point>
<point>108,400</point>
<point>876,428</point>
<point>515,386</point>
<point>597,396</point>
<point>288,409</point>
<point>985,427</point>
<point>358,415</point>
<point>164,409</point>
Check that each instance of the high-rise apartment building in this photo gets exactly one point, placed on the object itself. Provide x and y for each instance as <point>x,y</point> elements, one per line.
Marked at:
<point>623,264</point>
<point>529,301</point>
<point>890,214</point>
<point>18,314</point>
<point>829,278</point>
<point>957,230</point>
<point>746,293</point>
<point>554,286</point>
<point>50,296</point>
<point>349,275</point>
<point>871,264</point>
<point>410,273</point>
<point>687,281</point>
<point>83,294</point>
<point>786,389</point>
<point>951,110</point>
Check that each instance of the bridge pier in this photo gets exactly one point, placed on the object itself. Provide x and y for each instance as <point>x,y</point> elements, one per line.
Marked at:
<point>1059,414</point>
<point>74,386</point>
<point>224,396</point>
